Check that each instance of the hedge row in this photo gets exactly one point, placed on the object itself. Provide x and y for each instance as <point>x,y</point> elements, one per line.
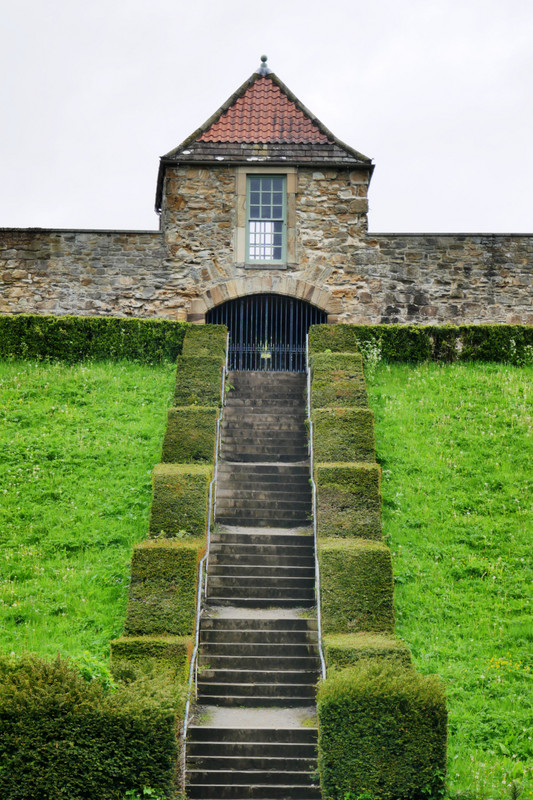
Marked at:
<point>382,733</point>
<point>414,343</point>
<point>74,339</point>
<point>65,738</point>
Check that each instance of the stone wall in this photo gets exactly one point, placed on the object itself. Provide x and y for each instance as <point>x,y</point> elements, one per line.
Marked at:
<point>191,265</point>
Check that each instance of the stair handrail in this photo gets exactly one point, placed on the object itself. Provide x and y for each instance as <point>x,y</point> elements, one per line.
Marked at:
<point>313,487</point>
<point>202,572</point>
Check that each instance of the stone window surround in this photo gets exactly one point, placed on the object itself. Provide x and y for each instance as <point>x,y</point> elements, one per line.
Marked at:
<point>241,174</point>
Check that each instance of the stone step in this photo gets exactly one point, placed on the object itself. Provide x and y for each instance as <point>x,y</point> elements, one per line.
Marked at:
<point>270,404</point>
<point>257,701</point>
<point>274,455</point>
<point>254,676</point>
<point>292,471</point>
<point>253,790</point>
<point>260,649</point>
<point>248,426</point>
<point>258,538</point>
<point>303,600</point>
<point>223,750</point>
<point>278,762</point>
<point>260,624</point>
<point>225,557</point>
<point>254,636</point>
<point>236,438</point>
<point>205,733</point>
<point>274,690</point>
<point>253,778</point>
<point>275,504</point>
<point>242,583</point>
<point>237,518</point>
<point>258,570</point>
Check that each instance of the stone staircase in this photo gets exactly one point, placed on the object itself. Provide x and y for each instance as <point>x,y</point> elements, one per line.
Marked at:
<point>258,659</point>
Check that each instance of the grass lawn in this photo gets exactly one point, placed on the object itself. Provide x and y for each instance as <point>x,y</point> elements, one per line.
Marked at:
<point>78,446</point>
<point>456,446</point>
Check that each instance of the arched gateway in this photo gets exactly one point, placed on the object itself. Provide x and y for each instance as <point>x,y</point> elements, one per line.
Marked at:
<point>267,331</point>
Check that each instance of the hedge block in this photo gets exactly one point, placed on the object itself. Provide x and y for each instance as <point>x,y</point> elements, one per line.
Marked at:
<point>198,381</point>
<point>162,594</point>
<point>180,500</point>
<point>347,649</point>
<point>145,655</point>
<point>205,340</point>
<point>343,434</point>
<point>190,435</point>
<point>356,586</point>
<point>69,738</point>
<point>338,380</point>
<point>348,500</point>
<point>333,338</point>
<point>382,733</point>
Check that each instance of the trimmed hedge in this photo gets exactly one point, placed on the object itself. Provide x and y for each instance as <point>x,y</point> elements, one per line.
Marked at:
<point>74,339</point>
<point>356,590</point>
<point>348,500</point>
<point>198,381</point>
<point>205,340</point>
<point>414,343</point>
<point>65,738</point>
<point>343,650</point>
<point>162,593</point>
<point>344,434</point>
<point>337,380</point>
<point>190,435</point>
<point>179,504</point>
<point>140,655</point>
<point>382,730</point>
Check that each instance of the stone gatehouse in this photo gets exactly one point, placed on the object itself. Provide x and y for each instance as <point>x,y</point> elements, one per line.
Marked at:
<point>263,198</point>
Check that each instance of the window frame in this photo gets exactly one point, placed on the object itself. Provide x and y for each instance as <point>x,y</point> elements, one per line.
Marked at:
<point>260,218</point>
<point>241,233</point>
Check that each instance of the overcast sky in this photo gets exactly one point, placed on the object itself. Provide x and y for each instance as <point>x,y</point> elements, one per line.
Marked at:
<point>437,92</point>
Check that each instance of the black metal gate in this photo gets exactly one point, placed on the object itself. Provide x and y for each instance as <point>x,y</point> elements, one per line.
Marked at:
<point>267,331</point>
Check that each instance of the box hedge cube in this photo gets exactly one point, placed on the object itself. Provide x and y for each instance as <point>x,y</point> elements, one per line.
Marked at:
<point>382,733</point>
<point>348,500</point>
<point>162,593</point>
<point>190,435</point>
<point>356,586</point>
<point>337,381</point>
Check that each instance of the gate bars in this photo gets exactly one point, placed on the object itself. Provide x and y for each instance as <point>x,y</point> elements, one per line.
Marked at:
<point>267,331</point>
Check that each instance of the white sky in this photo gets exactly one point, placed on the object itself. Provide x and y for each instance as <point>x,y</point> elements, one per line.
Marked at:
<point>439,93</point>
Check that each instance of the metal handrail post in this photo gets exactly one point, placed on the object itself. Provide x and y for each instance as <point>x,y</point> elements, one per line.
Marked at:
<point>313,487</point>
<point>202,577</point>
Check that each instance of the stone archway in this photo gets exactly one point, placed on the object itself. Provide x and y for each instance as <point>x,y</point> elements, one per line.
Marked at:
<point>217,294</point>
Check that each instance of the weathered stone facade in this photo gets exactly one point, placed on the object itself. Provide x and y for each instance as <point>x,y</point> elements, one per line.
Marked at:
<point>190,266</point>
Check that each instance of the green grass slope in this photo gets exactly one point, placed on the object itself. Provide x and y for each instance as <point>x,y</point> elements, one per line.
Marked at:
<point>456,446</point>
<point>78,446</point>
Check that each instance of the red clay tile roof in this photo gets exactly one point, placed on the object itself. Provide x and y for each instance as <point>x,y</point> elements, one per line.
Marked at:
<point>264,114</point>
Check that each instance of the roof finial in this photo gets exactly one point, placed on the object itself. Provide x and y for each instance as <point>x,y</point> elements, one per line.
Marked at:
<point>263,69</point>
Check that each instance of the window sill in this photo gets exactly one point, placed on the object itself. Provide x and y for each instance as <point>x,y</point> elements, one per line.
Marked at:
<point>263,265</point>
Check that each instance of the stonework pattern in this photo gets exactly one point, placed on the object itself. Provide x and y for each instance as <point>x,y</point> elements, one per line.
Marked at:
<point>191,265</point>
